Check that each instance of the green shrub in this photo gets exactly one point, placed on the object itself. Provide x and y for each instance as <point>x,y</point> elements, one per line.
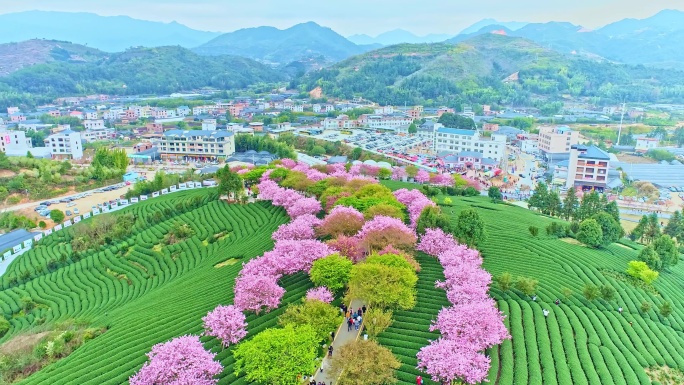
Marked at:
<point>534,230</point>
<point>607,292</point>
<point>665,309</point>
<point>645,307</point>
<point>504,281</point>
<point>526,285</point>
<point>591,291</point>
<point>4,326</point>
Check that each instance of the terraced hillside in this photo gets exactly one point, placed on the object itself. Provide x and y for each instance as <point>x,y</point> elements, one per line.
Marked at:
<point>144,292</point>
<point>580,342</point>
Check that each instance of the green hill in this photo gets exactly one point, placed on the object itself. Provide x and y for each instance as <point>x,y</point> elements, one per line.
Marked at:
<point>15,56</point>
<point>478,70</point>
<point>160,70</point>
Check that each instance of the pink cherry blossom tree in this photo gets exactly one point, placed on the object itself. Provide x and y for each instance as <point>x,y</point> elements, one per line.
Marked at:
<point>227,323</point>
<point>435,242</point>
<point>349,247</point>
<point>415,201</point>
<point>442,179</point>
<point>182,360</point>
<point>398,173</point>
<point>342,220</point>
<point>422,176</point>
<point>446,360</point>
<point>322,294</point>
<point>257,292</point>
<point>477,324</point>
<point>288,163</point>
<point>382,231</point>
<point>300,228</point>
<point>292,257</point>
<point>302,206</point>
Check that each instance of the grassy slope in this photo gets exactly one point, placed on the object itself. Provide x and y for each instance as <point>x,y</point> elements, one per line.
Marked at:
<point>580,342</point>
<point>166,298</point>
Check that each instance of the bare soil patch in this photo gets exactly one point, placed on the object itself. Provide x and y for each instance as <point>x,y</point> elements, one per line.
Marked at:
<point>22,343</point>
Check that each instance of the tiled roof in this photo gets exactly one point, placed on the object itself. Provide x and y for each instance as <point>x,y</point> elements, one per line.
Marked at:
<point>456,131</point>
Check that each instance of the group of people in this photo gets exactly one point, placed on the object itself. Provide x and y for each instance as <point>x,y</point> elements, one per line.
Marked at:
<point>353,319</point>
<point>313,382</point>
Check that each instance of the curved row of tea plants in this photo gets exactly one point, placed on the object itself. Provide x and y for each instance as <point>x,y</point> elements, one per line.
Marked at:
<point>580,342</point>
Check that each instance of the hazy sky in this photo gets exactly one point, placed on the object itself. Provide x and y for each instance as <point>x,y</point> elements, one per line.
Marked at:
<point>356,16</point>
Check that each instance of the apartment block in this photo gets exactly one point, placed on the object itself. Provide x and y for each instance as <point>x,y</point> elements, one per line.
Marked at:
<point>65,145</point>
<point>587,168</point>
<point>555,141</point>
<point>197,144</point>
<point>455,140</point>
<point>14,143</point>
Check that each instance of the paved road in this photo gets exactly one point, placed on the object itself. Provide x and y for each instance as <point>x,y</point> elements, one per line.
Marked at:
<point>342,337</point>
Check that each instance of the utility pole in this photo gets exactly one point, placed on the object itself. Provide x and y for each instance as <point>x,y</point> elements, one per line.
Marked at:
<point>620,127</point>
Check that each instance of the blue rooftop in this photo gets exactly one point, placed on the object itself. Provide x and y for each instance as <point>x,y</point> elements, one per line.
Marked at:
<point>456,131</point>
<point>189,133</point>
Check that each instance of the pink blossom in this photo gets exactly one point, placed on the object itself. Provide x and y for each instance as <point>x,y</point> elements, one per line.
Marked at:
<point>256,292</point>
<point>447,360</point>
<point>288,163</point>
<point>369,170</point>
<point>382,231</point>
<point>263,266</point>
<point>266,174</point>
<point>435,242</point>
<point>355,170</point>
<point>442,180</point>
<point>181,361</point>
<point>302,206</point>
<point>337,167</point>
<point>342,220</point>
<point>294,256</point>
<point>422,176</point>
<point>349,247</point>
<point>243,171</point>
<point>300,228</point>
<point>322,294</point>
<point>415,202</point>
<point>398,173</point>
<point>301,167</point>
<point>477,324</point>
<point>315,175</point>
<point>466,283</point>
<point>227,323</point>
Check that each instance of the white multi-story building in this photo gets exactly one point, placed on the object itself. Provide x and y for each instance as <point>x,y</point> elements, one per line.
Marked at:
<point>65,145</point>
<point>93,135</point>
<point>94,124</point>
<point>588,168</point>
<point>555,141</point>
<point>644,144</point>
<point>529,146</point>
<point>209,124</point>
<point>183,111</point>
<point>90,114</point>
<point>455,140</point>
<point>14,143</point>
<point>384,122</point>
<point>197,144</point>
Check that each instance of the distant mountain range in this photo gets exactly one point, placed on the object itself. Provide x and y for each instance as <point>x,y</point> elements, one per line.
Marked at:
<point>489,69</point>
<point>302,42</point>
<point>654,41</point>
<point>397,36</point>
<point>107,33</point>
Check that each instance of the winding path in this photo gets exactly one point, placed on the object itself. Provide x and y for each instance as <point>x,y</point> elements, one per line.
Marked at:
<point>342,337</point>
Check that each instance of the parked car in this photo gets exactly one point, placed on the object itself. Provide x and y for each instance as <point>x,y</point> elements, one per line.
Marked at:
<point>76,211</point>
<point>68,213</point>
<point>41,208</point>
<point>46,203</point>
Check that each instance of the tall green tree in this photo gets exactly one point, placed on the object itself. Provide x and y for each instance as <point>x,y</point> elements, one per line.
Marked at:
<point>364,362</point>
<point>652,230</point>
<point>278,356</point>
<point>611,230</point>
<point>456,121</point>
<point>590,233</point>
<point>651,258</point>
<point>667,251</point>
<point>637,233</point>
<point>675,226</point>
<point>383,286</point>
<point>553,205</point>
<point>230,183</point>
<point>432,218</point>
<point>470,228</point>
<point>570,204</point>
<point>494,193</point>
<point>322,317</point>
<point>413,129</point>
<point>540,197</point>
<point>590,205</point>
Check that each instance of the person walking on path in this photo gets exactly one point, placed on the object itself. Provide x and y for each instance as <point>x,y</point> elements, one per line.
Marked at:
<point>364,309</point>
<point>330,351</point>
<point>349,324</point>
